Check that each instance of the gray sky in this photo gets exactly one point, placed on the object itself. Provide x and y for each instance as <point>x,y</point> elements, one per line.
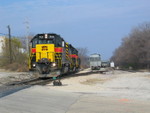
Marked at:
<point>98,25</point>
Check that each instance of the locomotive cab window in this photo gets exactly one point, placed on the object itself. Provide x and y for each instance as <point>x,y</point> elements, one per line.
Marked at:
<point>58,41</point>
<point>49,41</point>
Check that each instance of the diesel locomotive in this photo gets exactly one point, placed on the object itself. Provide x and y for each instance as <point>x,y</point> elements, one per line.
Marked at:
<point>51,56</point>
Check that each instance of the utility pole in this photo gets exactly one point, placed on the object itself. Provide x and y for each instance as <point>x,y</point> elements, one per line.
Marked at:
<point>27,35</point>
<point>9,34</point>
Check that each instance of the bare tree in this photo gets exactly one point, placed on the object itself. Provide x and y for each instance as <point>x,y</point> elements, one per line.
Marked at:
<point>18,58</point>
<point>83,57</point>
<point>134,50</point>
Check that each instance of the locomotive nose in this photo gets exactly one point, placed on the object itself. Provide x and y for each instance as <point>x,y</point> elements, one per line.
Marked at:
<point>45,53</point>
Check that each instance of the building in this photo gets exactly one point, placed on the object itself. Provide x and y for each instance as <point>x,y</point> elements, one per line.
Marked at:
<point>2,42</point>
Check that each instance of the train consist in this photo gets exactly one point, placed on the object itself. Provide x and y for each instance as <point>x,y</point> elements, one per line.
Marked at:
<point>52,56</point>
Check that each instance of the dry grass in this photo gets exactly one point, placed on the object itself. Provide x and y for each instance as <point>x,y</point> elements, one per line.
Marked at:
<point>16,67</point>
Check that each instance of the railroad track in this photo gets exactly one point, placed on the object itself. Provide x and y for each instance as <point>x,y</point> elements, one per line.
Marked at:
<point>13,87</point>
<point>44,81</point>
<point>34,81</point>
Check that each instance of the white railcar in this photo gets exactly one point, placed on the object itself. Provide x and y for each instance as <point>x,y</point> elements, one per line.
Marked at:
<point>95,61</point>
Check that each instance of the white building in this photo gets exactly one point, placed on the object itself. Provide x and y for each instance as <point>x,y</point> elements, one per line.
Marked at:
<point>2,42</point>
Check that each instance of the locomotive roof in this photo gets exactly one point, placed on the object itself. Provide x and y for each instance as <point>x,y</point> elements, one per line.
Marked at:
<point>48,34</point>
<point>72,46</point>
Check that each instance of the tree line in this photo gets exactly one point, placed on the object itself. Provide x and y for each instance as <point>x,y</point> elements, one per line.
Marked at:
<point>17,60</point>
<point>134,50</point>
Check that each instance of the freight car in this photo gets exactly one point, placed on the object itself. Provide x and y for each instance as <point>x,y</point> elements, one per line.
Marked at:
<point>52,56</point>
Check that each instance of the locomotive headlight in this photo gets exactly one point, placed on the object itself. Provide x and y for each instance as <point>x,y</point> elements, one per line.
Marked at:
<point>53,64</point>
<point>46,36</point>
<point>33,65</point>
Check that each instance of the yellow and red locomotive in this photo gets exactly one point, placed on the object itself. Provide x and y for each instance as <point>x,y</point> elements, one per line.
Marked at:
<point>51,56</point>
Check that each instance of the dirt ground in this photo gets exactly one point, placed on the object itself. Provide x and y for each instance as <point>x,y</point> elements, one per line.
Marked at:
<point>131,85</point>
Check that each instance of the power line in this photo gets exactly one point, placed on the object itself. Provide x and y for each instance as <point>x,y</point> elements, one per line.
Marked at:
<point>3,34</point>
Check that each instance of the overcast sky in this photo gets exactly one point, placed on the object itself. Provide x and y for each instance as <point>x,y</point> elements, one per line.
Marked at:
<point>98,25</point>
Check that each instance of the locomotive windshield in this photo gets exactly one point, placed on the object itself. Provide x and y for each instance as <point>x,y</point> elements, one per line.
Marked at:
<point>46,41</point>
<point>42,41</point>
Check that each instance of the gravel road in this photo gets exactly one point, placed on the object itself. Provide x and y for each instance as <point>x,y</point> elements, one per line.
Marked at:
<point>9,77</point>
